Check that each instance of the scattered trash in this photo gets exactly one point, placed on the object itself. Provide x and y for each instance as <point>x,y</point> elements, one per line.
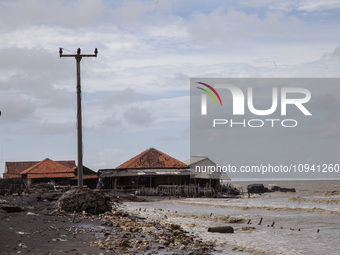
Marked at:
<point>22,233</point>
<point>22,245</point>
<point>58,240</point>
<point>32,213</point>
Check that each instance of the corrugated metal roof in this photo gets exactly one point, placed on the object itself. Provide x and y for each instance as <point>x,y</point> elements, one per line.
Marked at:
<point>194,159</point>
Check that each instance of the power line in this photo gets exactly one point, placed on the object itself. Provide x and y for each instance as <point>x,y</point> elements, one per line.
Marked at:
<point>78,58</point>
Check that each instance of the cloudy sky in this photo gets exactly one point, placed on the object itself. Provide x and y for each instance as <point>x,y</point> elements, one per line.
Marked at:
<point>136,93</point>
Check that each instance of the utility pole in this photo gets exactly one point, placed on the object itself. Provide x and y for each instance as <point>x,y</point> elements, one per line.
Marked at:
<point>78,58</point>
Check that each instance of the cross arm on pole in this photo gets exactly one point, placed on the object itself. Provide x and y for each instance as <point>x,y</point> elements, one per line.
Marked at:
<point>61,54</point>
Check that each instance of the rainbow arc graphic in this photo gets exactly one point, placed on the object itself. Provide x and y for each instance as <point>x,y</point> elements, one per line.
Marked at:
<point>209,93</point>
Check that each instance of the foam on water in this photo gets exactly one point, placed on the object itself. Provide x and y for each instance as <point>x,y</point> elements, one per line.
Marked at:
<point>295,230</point>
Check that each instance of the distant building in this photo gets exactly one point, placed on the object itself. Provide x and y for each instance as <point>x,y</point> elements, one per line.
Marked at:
<point>150,168</point>
<point>14,169</point>
<point>203,169</point>
<point>47,170</point>
<point>90,177</point>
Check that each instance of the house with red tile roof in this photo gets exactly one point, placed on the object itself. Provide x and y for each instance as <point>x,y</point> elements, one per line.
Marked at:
<point>47,170</point>
<point>14,169</point>
<point>150,168</point>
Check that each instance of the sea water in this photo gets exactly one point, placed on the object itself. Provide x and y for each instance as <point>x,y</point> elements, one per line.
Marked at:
<point>304,222</point>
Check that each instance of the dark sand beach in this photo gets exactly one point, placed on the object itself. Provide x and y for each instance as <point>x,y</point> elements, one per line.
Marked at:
<point>39,229</point>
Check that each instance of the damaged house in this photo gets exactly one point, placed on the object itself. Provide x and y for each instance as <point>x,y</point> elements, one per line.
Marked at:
<point>150,168</point>
<point>153,168</point>
<point>47,170</point>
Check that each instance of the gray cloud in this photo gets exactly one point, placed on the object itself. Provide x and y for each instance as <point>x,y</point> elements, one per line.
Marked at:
<point>123,96</point>
<point>233,26</point>
<point>135,13</point>
<point>39,89</point>
<point>32,59</point>
<point>336,53</point>
<point>73,13</point>
<point>111,123</point>
<point>33,73</point>
<point>16,108</point>
<point>183,135</point>
<point>138,116</point>
<point>50,128</point>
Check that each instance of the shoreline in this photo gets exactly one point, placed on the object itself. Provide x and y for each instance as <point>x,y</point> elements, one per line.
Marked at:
<point>304,221</point>
<point>39,229</point>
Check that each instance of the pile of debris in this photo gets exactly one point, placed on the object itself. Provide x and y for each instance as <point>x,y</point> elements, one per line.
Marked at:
<point>131,234</point>
<point>80,200</point>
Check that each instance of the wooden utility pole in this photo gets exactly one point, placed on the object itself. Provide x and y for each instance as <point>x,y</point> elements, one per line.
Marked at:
<point>78,58</point>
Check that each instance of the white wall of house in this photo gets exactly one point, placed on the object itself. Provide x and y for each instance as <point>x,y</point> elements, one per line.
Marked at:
<point>202,167</point>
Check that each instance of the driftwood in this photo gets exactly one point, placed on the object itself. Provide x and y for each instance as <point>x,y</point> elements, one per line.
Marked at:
<point>73,217</point>
<point>224,229</point>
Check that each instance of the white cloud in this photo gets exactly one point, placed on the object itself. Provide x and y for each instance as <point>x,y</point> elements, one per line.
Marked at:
<point>233,27</point>
<point>148,50</point>
<point>315,5</point>
<point>169,31</point>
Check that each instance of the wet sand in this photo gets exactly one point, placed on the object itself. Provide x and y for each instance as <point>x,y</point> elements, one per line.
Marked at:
<point>39,229</point>
<point>305,222</point>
